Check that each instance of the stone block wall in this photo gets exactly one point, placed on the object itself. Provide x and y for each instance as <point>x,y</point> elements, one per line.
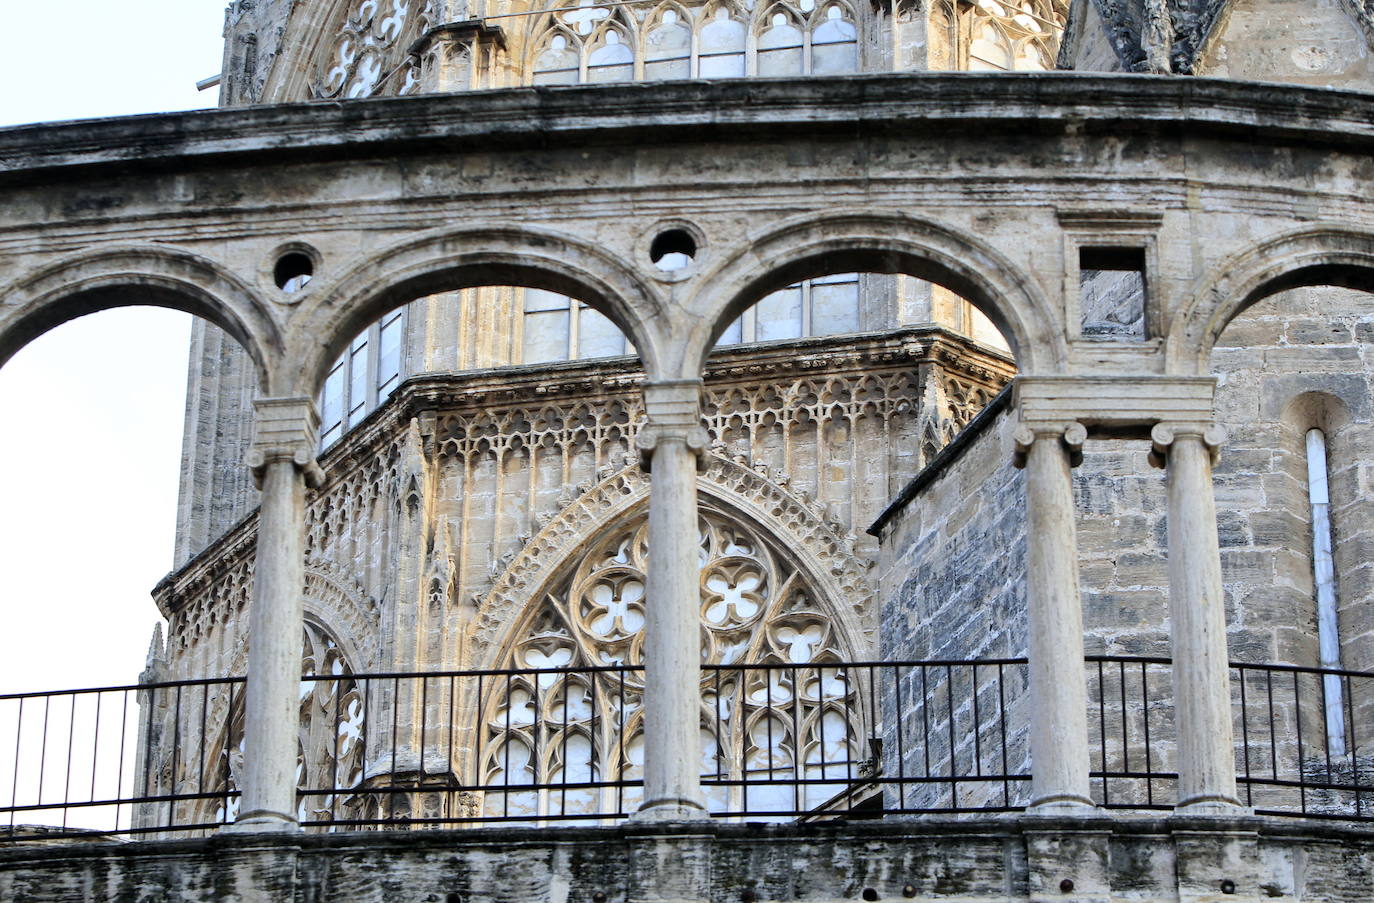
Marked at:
<point>954,557</point>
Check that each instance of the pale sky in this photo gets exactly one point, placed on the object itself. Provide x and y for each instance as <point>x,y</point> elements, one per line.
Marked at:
<point>92,411</point>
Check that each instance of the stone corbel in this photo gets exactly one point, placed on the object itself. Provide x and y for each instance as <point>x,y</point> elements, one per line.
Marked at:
<point>1072,434</point>
<point>1162,437</point>
<point>286,429</point>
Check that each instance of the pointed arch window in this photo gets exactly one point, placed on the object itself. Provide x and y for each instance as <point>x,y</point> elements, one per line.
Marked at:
<point>545,725</point>
<point>329,750</point>
<point>835,42</point>
<point>780,45</point>
<point>668,46</point>
<point>611,57</point>
<point>722,39</point>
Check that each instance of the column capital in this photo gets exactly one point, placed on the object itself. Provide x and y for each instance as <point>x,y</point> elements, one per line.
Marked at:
<point>1164,434</point>
<point>1070,433</point>
<point>285,429</point>
<point>673,411</point>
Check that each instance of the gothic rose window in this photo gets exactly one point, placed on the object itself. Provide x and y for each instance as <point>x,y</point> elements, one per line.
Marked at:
<point>557,735</point>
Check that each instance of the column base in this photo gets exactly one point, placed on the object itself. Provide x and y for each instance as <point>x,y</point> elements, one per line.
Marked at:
<point>1064,804</point>
<point>263,821</point>
<point>670,809</point>
<point>1225,806</point>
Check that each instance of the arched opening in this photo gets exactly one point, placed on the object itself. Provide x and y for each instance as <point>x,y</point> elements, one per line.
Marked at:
<point>851,383</point>
<point>90,509</point>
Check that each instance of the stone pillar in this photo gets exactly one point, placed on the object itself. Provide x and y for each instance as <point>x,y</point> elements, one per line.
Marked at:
<point>1059,719</point>
<point>671,445</point>
<point>1202,679</point>
<point>283,461</point>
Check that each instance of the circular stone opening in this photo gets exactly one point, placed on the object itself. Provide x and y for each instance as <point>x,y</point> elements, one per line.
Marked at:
<point>293,271</point>
<point>673,250</point>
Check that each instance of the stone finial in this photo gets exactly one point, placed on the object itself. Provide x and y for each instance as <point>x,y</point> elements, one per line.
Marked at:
<point>1163,435</point>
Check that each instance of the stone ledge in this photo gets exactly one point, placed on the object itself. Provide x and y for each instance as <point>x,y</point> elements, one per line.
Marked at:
<point>1009,857</point>
<point>729,109</point>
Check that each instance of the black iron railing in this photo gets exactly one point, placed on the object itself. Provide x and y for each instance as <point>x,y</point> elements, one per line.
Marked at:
<point>779,741</point>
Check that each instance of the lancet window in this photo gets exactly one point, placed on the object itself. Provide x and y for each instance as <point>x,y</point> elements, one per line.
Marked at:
<point>583,42</point>
<point>559,736</point>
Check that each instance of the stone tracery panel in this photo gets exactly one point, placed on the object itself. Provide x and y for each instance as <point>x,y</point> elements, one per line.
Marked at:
<point>370,53</point>
<point>546,726</point>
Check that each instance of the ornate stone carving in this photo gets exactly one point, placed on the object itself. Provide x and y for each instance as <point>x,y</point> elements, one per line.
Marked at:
<point>371,55</point>
<point>545,726</point>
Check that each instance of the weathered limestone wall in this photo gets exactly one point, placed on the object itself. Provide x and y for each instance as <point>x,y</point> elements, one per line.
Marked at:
<point>1306,42</point>
<point>953,562</point>
<point>1003,859</point>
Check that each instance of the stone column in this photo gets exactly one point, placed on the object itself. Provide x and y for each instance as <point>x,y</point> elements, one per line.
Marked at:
<point>1202,678</point>
<point>671,445</point>
<point>283,461</point>
<point>1059,719</point>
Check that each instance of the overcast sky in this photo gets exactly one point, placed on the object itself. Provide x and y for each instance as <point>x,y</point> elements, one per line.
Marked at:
<point>92,411</point>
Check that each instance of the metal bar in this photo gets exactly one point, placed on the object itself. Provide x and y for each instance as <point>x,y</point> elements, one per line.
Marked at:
<point>1102,730</point>
<point>1002,729</point>
<point>1145,708</point>
<point>1245,739</point>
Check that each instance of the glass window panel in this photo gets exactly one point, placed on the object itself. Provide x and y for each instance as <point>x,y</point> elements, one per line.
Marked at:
<point>356,415</point>
<point>662,70</point>
<point>778,316</point>
<point>332,404</point>
<point>834,307</point>
<point>597,336</point>
<point>357,374</point>
<point>834,45</point>
<point>724,66</point>
<point>538,299</point>
<point>733,334</point>
<point>546,336</point>
<point>389,353</point>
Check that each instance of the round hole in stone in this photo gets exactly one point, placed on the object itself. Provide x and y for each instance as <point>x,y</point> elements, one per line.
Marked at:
<point>293,271</point>
<point>673,249</point>
<point>870,894</point>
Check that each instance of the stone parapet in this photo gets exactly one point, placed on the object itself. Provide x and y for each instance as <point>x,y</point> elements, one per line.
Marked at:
<point>1006,858</point>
